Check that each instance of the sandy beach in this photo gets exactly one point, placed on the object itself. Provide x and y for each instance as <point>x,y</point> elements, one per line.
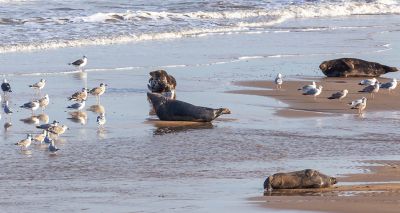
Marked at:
<point>222,54</point>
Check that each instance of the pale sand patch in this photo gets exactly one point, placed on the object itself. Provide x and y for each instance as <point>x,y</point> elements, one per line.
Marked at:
<point>305,106</point>
<point>376,197</point>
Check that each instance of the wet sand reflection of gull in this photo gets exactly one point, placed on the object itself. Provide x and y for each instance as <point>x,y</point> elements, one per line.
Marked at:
<point>359,104</point>
<point>101,120</point>
<point>33,106</point>
<point>368,82</point>
<point>279,81</point>
<point>98,91</point>
<point>389,85</point>
<point>306,88</point>
<point>78,117</point>
<point>7,110</point>
<point>52,147</point>
<point>43,118</point>
<point>7,125</point>
<point>372,89</point>
<point>79,96</point>
<point>97,108</point>
<point>77,106</point>
<point>339,95</point>
<point>25,143</point>
<point>314,92</point>
<point>31,120</point>
<point>47,138</point>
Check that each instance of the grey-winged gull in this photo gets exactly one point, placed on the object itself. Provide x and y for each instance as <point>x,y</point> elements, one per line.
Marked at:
<point>339,95</point>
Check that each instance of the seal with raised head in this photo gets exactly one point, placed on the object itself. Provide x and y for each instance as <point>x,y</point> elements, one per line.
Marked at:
<point>173,110</point>
<point>303,179</point>
<point>352,67</point>
<point>161,82</point>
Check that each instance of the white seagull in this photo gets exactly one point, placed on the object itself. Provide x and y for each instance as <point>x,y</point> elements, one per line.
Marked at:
<point>389,85</point>
<point>80,63</point>
<point>39,85</point>
<point>308,87</point>
<point>372,89</point>
<point>339,95</point>
<point>33,105</point>
<point>279,81</point>
<point>359,104</point>
<point>368,82</point>
<point>26,142</point>
<point>314,92</point>
<point>77,106</point>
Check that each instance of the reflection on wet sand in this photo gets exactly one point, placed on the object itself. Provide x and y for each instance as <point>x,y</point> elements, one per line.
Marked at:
<point>78,117</point>
<point>166,127</point>
<point>43,118</point>
<point>7,125</point>
<point>80,75</point>
<point>31,120</point>
<point>97,108</point>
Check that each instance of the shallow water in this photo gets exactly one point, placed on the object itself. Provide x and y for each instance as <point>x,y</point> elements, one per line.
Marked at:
<point>137,164</point>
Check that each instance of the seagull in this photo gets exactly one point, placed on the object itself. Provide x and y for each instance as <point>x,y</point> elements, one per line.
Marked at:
<point>52,147</point>
<point>101,119</point>
<point>80,63</point>
<point>33,105</point>
<point>389,85</point>
<point>372,89</point>
<point>314,92</point>
<point>40,137</point>
<point>308,87</point>
<point>77,106</point>
<point>58,130</point>
<point>368,82</point>
<point>359,104</point>
<point>47,126</point>
<point>39,85</point>
<point>26,142</point>
<point>339,95</point>
<point>279,81</point>
<point>98,91</point>
<point>5,86</point>
<point>79,96</point>
<point>43,102</point>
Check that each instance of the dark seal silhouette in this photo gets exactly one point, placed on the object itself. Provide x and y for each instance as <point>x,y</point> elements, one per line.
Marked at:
<point>173,110</point>
<point>303,179</point>
<point>352,67</point>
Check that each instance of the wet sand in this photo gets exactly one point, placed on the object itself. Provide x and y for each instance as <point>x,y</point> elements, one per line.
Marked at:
<point>370,196</point>
<point>304,106</point>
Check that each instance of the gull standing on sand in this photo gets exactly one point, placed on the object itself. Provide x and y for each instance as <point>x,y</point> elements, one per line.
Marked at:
<point>6,87</point>
<point>359,104</point>
<point>39,85</point>
<point>79,96</point>
<point>44,102</point>
<point>389,85</point>
<point>47,126</point>
<point>77,106</point>
<point>57,130</point>
<point>372,89</point>
<point>33,105</point>
<point>308,87</point>
<point>39,138</point>
<point>314,92</point>
<point>368,82</point>
<point>26,142</point>
<point>101,119</point>
<point>339,95</point>
<point>80,63</point>
<point>98,91</point>
<point>279,81</point>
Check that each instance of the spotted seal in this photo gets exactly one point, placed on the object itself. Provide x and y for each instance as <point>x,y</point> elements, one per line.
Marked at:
<point>161,82</point>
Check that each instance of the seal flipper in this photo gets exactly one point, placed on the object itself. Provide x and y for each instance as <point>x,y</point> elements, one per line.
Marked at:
<point>349,63</point>
<point>221,111</point>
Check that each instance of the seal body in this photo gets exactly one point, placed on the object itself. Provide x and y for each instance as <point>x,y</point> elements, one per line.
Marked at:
<point>174,110</point>
<point>303,179</point>
<point>161,82</point>
<point>352,67</point>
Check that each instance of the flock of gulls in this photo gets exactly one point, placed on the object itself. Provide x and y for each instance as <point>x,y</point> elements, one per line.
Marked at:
<point>372,87</point>
<point>51,131</point>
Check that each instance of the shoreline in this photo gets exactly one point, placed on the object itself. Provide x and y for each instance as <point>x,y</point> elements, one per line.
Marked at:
<point>306,106</point>
<point>376,193</point>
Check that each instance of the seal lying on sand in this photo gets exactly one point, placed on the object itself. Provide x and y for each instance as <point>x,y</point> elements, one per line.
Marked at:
<point>352,67</point>
<point>303,179</point>
<point>161,82</point>
<point>173,110</point>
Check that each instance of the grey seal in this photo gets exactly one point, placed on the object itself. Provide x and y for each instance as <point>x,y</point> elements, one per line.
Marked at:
<point>353,67</point>
<point>174,110</point>
<point>303,179</point>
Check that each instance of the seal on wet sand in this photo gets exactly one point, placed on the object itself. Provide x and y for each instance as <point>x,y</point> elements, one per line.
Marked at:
<point>173,110</point>
<point>303,179</point>
<point>352,67</point>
